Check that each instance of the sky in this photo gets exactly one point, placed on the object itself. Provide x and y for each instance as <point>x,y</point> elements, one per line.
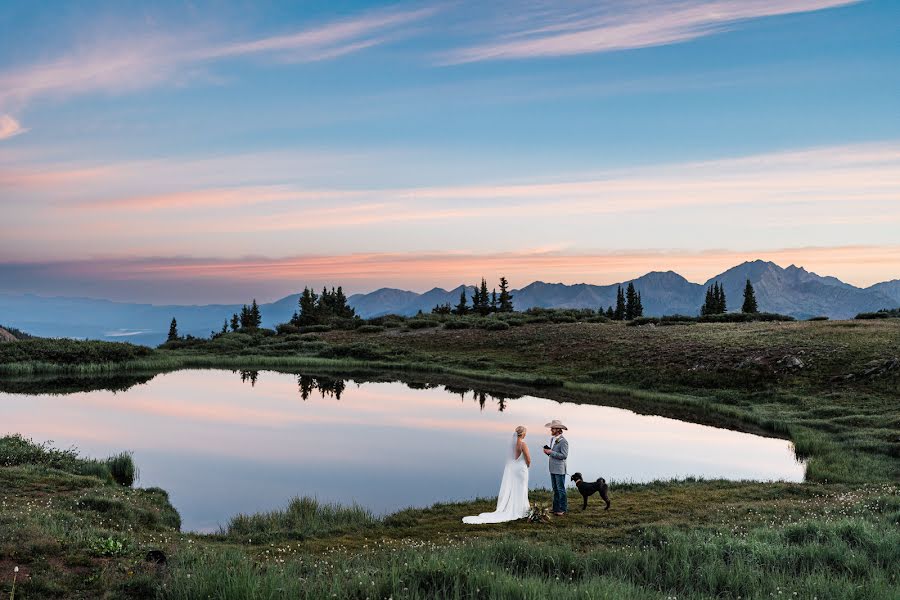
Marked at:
<point>200,152</point>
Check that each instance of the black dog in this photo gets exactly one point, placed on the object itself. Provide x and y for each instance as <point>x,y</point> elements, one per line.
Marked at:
<point>589,488</point>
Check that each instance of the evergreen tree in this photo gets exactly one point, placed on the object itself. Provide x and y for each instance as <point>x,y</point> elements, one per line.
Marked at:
<point>441,309</point>
<point>462,308</point>
<point>630,301</point>
<point>715,300</point>
<point>344,310</point>
<point>638,307</point>
<point>506,304</point>
<point>619,314</point>
<point>225,326</point>
<point>235,322</point>
<point>308,307</point>
<point>610,313</point>
<point>708,302</point>
<point>255,316</point>
<point>173,331</point>
<point>749,299</point>
<point>484,307</point>
<point>245,316</point>
<point>494,305</point>
<point>476,300</point>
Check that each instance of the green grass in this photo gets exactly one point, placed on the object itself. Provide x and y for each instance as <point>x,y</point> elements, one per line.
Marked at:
<point>303,518</point>
<point>76,533</point>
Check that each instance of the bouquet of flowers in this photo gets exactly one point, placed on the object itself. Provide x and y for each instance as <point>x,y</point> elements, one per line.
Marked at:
<point>538,513</point>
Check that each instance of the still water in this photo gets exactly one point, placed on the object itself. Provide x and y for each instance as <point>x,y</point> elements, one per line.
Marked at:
<point>222,442</point>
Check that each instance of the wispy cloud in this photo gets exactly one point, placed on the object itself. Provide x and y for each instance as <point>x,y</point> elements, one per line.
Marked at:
<point>833,174</point>
<point>594,27</point>
<point>139,61</point>
<point>9,127</point>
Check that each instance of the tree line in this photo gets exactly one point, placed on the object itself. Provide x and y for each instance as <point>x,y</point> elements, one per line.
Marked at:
<point>483,302</point>
<point>331,305</point>
<point>716,303</point>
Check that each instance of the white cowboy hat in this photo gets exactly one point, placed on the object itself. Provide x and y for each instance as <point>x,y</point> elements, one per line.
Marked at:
<point>556,424</point>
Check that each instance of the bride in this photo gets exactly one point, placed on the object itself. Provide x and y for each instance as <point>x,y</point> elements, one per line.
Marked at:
<point>512,502</point>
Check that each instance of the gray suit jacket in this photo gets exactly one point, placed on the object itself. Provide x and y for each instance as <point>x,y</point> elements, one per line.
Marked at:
<point>558,455</point>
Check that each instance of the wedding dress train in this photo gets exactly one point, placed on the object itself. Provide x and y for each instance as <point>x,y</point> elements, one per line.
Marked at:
<point>512,501</point>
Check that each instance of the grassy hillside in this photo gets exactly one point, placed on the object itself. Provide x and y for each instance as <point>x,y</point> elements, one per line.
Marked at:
<point>831,387</point>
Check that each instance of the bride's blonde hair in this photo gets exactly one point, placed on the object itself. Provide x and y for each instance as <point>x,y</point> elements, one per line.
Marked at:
<point>520,430</point>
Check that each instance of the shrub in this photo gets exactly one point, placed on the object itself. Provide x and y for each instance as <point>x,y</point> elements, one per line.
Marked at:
<point>819,318</point>
<point>421,324</point>
<point>677,319</point>
<point>597,319</point>
<point>95,468</point>
<point>359,351</point>
<point>63,351</point>
<point>457,324</point>
<point>16,450</point>
<point>370,329</point>
<point>492,325</point>
<point>563,319</point>
<point>286,329</point>
<point>122,468</point>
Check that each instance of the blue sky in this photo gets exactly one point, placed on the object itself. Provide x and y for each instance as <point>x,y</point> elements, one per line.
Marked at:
<point>218,149</point>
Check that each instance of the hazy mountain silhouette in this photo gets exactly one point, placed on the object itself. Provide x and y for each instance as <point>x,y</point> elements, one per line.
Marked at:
<point>792,290</point>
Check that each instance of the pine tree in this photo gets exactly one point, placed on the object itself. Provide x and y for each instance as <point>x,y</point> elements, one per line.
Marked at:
<point>707,302</point>
<point>610,313</point>
<point>476,299</point>
<point>235,322</point>
<point>749,299</point>
<point>630,301</point>
<point>344,310</point>
<point>308,307</point>
<point>245,316</point>
<point>715,300</point>
<point>506,304</point>
<point>462,308</point>
<point>720,302</point>
<point>494,305</point>
<point>255,316</point>
<point>619,314</point>
<point>638,307</point>
<point>225,326</point>
<point>484,307</point>
<point>173,331</point>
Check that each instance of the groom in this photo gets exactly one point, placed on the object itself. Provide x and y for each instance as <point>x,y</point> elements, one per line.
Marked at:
<point>558,451</point>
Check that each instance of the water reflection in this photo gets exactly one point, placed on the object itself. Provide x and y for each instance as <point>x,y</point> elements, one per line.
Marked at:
<point>221,446</point>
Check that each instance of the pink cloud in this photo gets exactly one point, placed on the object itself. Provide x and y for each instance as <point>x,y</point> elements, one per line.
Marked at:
<point>9,127</point>
<point>625,26</point>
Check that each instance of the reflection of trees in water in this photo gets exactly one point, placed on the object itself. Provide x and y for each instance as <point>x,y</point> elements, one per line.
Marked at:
<point>73,384</point>
<point>332,387</point>
<point>250,376</point>
<point>482,396</point>
<point>325,385</point>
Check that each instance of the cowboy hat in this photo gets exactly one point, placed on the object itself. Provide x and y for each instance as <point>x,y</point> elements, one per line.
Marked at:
<point>556,424</point>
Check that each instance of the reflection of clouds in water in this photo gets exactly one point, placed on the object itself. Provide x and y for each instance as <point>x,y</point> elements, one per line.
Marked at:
<point>221,446</point>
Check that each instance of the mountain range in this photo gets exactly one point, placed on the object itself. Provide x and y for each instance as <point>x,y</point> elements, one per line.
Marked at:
<point>793,291</point>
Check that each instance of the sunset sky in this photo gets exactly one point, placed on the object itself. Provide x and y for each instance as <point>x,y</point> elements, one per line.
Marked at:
<point>196,152</point>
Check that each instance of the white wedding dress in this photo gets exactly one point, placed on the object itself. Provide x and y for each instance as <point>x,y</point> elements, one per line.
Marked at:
<point>512,502</point>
